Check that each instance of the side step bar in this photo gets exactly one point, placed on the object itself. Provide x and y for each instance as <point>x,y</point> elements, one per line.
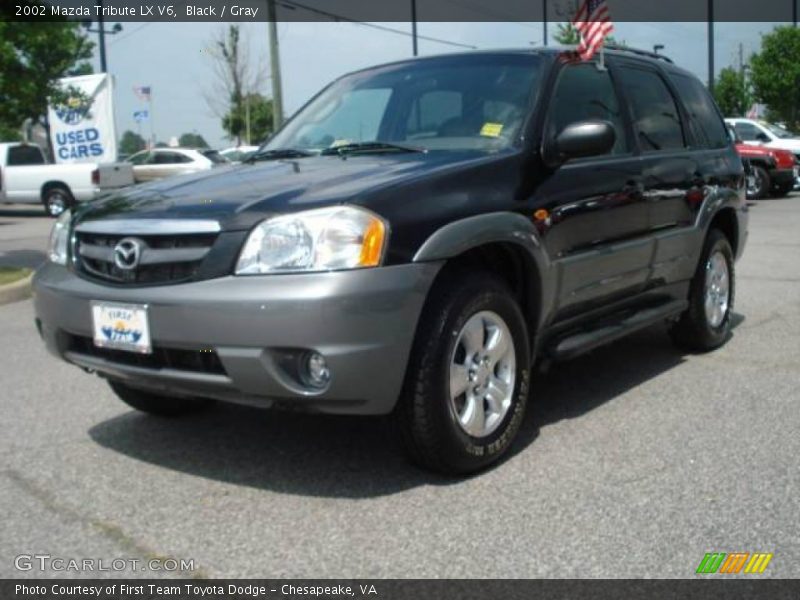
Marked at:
<point>578,343</point>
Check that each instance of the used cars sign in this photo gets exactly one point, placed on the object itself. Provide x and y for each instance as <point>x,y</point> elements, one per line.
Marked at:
<point>82,128</point>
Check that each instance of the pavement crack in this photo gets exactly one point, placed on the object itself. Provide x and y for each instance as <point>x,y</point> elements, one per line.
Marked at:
<point>109,530</point>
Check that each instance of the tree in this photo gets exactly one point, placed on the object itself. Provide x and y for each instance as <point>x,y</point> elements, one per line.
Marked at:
<point>258,110</point>
<point>131,143</point>
<point>192,140</point>
<point>33,56</point>
<point>776,74</point>
<point>567,35</point>
<point>236,78</point>
<point>732,93</point>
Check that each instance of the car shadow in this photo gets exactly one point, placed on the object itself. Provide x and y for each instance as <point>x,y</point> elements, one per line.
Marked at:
<point>359,457</point>
<point>22,258</point>
<point>22,212</point>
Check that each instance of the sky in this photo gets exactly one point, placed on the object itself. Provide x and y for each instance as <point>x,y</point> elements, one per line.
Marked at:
<point>173,59</point>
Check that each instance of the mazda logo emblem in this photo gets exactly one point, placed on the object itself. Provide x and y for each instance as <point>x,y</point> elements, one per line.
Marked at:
<point>127,253</point>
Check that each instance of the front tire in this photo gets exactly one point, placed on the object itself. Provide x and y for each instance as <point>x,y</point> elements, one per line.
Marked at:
<point>467,383</point>
<point>157,404</point>
<point>706,325</point>
<point>56,200</point>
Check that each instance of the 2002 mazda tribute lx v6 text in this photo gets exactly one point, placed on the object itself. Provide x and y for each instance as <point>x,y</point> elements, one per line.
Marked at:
<point>411,242</point>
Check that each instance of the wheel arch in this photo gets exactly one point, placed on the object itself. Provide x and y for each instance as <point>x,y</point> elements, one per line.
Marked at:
<point>725,220</point>
<point>506,244</point>
<point>54,183</point>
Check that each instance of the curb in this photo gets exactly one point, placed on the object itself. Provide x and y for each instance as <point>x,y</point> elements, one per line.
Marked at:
<point>16,291</point>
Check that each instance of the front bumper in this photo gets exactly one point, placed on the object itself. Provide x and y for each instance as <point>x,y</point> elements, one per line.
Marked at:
<point>363,322</point>
<point>782,176</point>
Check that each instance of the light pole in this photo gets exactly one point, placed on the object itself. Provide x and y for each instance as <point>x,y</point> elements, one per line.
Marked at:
<point>414,27</point>
<point>657,47</point>
<point>711,46</point>
<point>544,21</point>
<point>101,32</point>
<point>275,67</point>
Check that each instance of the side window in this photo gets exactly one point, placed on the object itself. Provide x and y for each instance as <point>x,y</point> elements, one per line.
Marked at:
<point>167,158</point>
<point>19,156</point>
<point>748,132</point>
<point>181,158</point>
<point>657,120</point>
<point>708,126</point>
<point>431,111</point>
<point>139,158</point>
<point>584,92</point>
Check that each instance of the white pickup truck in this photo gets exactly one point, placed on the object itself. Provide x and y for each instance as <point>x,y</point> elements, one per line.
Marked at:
<point>27,178</point>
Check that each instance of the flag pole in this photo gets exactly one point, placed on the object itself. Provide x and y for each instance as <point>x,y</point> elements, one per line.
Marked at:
<point>152,125</point>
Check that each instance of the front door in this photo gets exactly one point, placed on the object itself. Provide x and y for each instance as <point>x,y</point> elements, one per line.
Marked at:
<point>596,227</point>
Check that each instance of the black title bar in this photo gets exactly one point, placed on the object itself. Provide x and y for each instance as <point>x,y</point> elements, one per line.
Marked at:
<point>394,10</point>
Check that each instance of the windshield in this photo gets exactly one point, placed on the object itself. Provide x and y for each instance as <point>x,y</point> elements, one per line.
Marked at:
<point>454,103</point>
<point>778,131</point>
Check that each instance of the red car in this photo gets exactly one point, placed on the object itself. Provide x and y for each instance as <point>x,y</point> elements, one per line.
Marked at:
<point>771,170</point>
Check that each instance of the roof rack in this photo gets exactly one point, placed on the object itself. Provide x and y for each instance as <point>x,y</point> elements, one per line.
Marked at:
<point>638,52</point>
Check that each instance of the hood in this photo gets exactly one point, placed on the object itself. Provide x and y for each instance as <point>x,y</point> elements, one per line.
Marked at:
<point>240,195</point>
<point>751,150</point>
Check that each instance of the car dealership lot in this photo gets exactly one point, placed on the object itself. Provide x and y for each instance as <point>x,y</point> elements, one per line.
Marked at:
<point>634,461</point>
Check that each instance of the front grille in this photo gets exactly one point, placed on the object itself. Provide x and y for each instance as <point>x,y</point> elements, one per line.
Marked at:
<point>198,361</point>
<point>161,258</point>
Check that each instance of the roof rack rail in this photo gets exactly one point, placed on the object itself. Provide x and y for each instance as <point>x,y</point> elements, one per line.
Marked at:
<point>639,52</point>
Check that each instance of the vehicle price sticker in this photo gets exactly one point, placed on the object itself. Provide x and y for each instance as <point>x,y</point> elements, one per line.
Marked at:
<point>121,326</point>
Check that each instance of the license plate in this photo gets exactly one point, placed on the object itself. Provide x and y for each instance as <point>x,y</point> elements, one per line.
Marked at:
<point>121,326</point>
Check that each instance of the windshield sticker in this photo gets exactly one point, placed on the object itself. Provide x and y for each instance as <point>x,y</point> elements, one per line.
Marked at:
<point>491,129</point>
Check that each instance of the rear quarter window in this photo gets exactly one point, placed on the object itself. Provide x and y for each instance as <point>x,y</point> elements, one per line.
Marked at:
<point>706,122</point>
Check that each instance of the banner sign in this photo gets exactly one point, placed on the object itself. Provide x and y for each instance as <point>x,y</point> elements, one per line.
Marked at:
<point>82,130</point>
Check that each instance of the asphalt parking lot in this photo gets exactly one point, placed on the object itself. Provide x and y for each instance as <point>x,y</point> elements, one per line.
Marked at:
<point>634,461</point>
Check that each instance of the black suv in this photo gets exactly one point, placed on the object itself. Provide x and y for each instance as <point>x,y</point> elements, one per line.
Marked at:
<point>411,242</point>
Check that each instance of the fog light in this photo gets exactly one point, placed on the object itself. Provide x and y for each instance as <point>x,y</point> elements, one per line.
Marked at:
<point>317,369</point>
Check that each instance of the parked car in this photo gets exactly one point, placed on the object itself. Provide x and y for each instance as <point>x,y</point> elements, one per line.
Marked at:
<point>412,242</point>
<point>754,131</point>
<point>159,163</point>
<point>27,178</point>
<point>238,153</point>
<point>772,170</point>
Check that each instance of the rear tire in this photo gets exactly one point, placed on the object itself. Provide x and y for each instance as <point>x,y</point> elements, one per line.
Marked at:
<point>56,200</point>
<point>472,335</point>
<point>706,324</point>
<point>759,183</point>
<point>157,404</point>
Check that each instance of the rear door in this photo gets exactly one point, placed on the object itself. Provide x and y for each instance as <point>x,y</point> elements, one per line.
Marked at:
<point>597,229</point>
<point>674,177</point>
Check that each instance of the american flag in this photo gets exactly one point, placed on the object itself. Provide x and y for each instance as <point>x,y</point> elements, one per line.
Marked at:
<point>142,92</point>
<point>594,24</point>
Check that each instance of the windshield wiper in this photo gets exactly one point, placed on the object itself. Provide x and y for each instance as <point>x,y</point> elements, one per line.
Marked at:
<point>373,147</point>
<point>278,154</point>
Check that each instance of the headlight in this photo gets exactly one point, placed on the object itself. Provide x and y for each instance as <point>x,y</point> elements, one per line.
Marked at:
<point>325,239</point>
<point>59,239</point>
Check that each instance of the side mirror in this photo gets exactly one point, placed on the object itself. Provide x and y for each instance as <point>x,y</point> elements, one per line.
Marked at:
<point>763,137</point>
<point>582,140</point>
